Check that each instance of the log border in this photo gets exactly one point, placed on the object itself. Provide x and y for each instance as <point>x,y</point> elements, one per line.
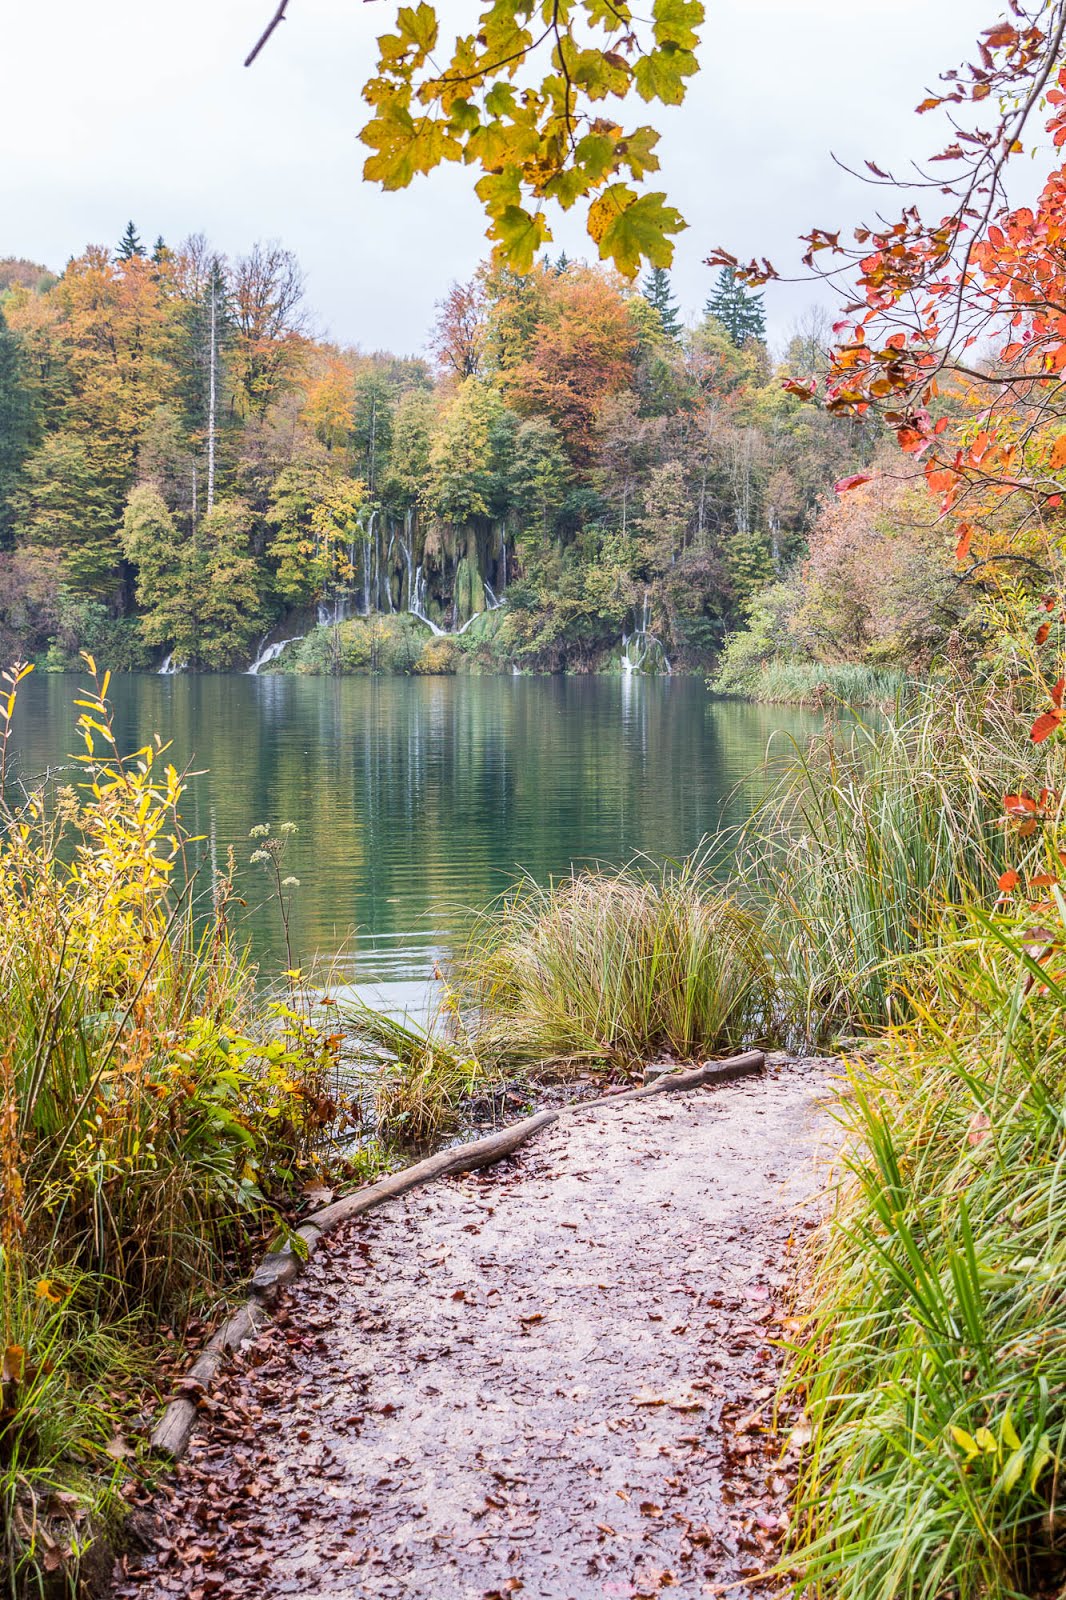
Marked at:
<point>171,1434</point>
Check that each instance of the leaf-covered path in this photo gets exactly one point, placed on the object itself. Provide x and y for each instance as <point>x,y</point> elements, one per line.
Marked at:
<point>553,1378</point>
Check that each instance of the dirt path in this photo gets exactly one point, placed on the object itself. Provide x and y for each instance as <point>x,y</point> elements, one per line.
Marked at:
<point>551,1379</point>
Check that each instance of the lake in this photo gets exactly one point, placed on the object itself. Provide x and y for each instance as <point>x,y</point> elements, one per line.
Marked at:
<point>419,799</point>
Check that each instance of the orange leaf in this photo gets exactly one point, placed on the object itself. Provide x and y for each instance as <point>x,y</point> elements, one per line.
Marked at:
<point>1057,692</point>
<point>1019,804</point>
<point>1058,452</point>
<point>1042,632</point>
<point>842,485</point>
<point>1007,881</point>
<point>1043,880</point>
<point>962,549</point>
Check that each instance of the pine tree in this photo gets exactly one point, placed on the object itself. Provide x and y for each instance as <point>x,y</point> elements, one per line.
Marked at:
<point>160,251</point>
<point>740,312</point>
<point>657,292</point>
<point>130,244</point>
<point>15,420</point>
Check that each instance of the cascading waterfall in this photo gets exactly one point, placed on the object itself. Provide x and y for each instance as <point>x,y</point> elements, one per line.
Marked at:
<point>642,650</point>
<point>270,652</point>
<point>379,552</point>
<point>168,667</point>
<point>417,604</point>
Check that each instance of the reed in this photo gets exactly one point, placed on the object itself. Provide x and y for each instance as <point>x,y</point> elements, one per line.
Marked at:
<point>868,835</point>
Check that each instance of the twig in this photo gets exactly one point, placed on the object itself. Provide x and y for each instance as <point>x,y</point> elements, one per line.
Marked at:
<point>279,16</point>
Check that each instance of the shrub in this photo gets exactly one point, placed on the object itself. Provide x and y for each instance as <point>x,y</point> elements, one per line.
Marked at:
<point>153,1115</point>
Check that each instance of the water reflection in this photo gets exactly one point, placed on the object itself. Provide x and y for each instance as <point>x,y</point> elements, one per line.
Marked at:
<point>419,799</point>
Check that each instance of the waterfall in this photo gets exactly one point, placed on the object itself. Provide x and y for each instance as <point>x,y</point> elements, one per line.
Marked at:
<point>168,667</point>
<point>642,649</point>
<point>405,546</point>
<point>492,603</point>
<point>269,652</point>
<point>390,547</point>
<point>416,605</point>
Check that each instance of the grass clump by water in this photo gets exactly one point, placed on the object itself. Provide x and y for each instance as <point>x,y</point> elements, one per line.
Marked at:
<point>423,1075</point>
<point>616,968</point>
<point>156,1120</point>
<point>815,683</point>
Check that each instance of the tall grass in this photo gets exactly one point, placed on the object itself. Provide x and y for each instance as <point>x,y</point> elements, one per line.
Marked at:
<point>815,683</point>
<point>615,968</point>
<point>935,1369</point>
<point>422,1074</point>
<point>868,836</point>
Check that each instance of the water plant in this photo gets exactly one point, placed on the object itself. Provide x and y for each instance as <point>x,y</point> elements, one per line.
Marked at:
<point>422,1073</point>
<point>868,834</point>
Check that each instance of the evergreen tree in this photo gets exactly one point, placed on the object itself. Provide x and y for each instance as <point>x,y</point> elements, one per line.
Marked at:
<point>160,251</point>
<point>739,311</point>
<point>15,420</point>
<point>130,244</point>
<point>657,292</point>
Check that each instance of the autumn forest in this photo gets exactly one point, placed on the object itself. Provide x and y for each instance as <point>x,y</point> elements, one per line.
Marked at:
<point>187,471</point>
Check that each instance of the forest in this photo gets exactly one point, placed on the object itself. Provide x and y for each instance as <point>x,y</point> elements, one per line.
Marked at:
<point>567,478</point>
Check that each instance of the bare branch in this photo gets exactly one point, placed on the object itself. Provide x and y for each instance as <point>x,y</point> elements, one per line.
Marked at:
<point>279,16</point>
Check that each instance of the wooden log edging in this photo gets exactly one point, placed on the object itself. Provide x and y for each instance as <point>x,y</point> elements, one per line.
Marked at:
<point>171,1434</point>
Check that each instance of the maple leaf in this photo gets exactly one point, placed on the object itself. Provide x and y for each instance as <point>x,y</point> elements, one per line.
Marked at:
<point>630,228</point>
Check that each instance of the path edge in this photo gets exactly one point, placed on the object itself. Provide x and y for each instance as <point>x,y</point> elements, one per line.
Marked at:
<point>278,1268</point>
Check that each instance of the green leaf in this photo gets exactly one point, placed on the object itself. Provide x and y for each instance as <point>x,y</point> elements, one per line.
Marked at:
<point>661,74</point>
<point>520,235</point>
<point>631,229</point>
<point>676,22</point>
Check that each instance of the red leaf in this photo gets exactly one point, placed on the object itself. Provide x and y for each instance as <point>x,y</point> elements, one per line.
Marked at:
<point>962,549</point>
<point>1019,804</point>
<point>1045,725</point>
<point>1057,692</point>
<point>842,485</point>
<point>1042,632</point>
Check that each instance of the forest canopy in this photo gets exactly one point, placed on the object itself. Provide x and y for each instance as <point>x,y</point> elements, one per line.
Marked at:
<point>185,466</point>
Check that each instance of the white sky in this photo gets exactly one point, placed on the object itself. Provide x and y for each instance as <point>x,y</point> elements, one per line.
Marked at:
<point>135,108</point>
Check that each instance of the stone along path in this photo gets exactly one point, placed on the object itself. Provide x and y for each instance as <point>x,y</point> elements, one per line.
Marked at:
<point>554,1378</point>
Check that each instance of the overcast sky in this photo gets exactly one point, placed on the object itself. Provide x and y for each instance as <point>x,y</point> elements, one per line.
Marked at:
<point>132,108</point>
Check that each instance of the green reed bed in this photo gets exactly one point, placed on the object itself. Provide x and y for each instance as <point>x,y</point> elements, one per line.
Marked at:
<point>869,834</point>
<point>814,683</point>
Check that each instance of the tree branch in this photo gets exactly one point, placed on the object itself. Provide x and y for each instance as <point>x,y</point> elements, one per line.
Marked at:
<point>279,16</point>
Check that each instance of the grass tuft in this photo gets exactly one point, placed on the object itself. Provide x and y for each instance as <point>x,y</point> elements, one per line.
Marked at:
<point>615,968</point>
